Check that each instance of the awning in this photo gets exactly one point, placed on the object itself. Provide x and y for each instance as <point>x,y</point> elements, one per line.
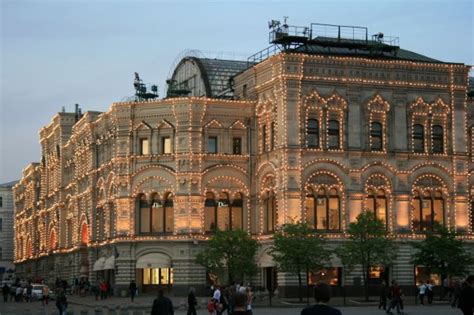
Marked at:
<point>154,260</point>
<point>109,263</point>
<point>99,264</point>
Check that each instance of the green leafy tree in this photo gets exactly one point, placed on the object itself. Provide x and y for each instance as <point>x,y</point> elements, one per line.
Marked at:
<point>297,248</point>
<point>368,245</point>
<point>442,253</point>
<point>233,250</point>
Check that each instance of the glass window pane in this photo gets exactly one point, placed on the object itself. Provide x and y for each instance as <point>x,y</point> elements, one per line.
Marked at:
<point>370,204</point>
<point>155,276</point>
<point>333,134</point>
<point>223,216</point>
<point>212,145</point>
<point>237,146</point>
<point>334,213</point>
<point>144,149</point>
<point>145,220</point>
<point>310,211</point>
<point>146,276</point>
<point>209,219</point>
<point>418,138</point>
<point>166,146</point>
<point>382,209</point>
<point>157,217</point>
<point>438,209</point>
<point>426,214</point>
<point>416,203</point>
<point>321,215</point>
<point>313,133</point>
<point>164,275</point>
<point>237,213</point>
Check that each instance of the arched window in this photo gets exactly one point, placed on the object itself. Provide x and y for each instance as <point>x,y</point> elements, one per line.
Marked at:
<point>376,202</point>
<point>324,214</point>
<point>437,137</point>
<point>428,210</point>
<point>376,136</point>
<point>223,214</point>
<point>418,138</point>
<point>84,234</point>
<point>333,134</point>
<point>210,212</point>
<point>313,133</point>
<point>269,208</point>
<point>157,216</point>
<point>52,239</point>
<point>237,212</point>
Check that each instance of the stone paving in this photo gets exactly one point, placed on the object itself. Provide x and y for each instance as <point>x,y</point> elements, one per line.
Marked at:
<point>142,306</point>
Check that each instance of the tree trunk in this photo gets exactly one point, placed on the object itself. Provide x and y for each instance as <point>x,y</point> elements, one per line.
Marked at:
<point>300,285</point>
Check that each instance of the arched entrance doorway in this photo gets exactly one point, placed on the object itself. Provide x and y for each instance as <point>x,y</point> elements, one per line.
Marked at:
<point>154,270</point>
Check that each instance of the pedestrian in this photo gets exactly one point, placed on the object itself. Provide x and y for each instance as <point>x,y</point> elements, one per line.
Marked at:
<point>466,298</point>
<point>132,289</point>
<point>422,292</point>
<point>61,302</point>
<point>211,307</point>
<point>446,287</point>
<point>19,294</point>
<point>217,299</point>
<point>12,293</point>
<point>103,289</point>
<point>96,291</point>
<point>429,291</point>
<point>45,293</point>
<point>229,293</point>
<point>5,292</point>
<point>240,303</point>
<point>396,297</point>
<point>249,293</point>
<point>322,295</point>
<point>383,296</point>
<point>162,305</point>
<point>29,292</point>
<point>192,302</point>
<point>456,294</point>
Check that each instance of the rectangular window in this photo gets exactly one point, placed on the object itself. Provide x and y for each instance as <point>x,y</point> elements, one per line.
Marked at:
<point>1,202</point>
<point>209,218</point>
<point>212,145</point>
<point>144,149</point>
<point>157,218</point>
<point>166,145</point>
<point>310,210</point>
<point>321,219</point>
<point>422,274</point>
<point>334,213</point>
<point>426,214</point>
<point>1,253</point>
<point>237,146</point>
<point>416,214</point>
<point>1,224</point>
<point>331,276</point>
<point>145,220</point>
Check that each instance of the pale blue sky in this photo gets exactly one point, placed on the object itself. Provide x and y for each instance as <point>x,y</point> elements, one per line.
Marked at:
<point>57,53</point>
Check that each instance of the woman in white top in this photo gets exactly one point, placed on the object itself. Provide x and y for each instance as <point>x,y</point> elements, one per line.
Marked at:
<point>422,289</point>
<point>249,301</point>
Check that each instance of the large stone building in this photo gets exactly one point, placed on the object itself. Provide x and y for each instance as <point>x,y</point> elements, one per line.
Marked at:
<point>6,230</point>
<point>319,131</point>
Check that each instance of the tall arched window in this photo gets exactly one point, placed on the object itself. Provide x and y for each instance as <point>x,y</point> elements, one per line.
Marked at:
<point>237,212</point>
<point>223,214</point>
<point>418,138</point>
<point>84,234</point>
<point>376,202</point>
<point>376,136</point>
<point>324,214</point>
<point>437,138</point>
<point>156,216</point>
<point>428,210</point>
<point>313,133</point>
<point>269,208</point>
<point>52,239</point>
<point>333,134</point>
<point>210,212</point>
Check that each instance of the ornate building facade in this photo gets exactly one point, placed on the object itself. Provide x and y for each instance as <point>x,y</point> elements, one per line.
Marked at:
<point>308,134</point>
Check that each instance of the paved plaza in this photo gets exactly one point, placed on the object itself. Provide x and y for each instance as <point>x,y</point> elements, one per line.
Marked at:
<point>142,306</point>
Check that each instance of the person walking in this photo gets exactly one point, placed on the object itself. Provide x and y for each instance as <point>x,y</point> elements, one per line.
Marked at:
<point>322,295</point>
<point>5,292</point>
<point>429,291</point>
<point>466,298</point>
<point>422,292</point>
<point>61,303</point>
<point>396,297</point>
<point>217,299</point>
<point>249,293</point>
<point>45,293</point>
<point>103,290</point>
<point>383,296</point>
<point>132,290</point>
<point>240,303</point>
<point>162,305</point>
<point>192,302</point>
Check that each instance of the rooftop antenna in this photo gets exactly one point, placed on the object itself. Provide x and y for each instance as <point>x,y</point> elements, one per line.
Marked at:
<point>141,92</point>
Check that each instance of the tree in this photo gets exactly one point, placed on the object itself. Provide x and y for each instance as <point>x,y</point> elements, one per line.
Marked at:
<point>234,250</point>
<point>298,248</point>
<point>442,253</point>
<point>368,245</point>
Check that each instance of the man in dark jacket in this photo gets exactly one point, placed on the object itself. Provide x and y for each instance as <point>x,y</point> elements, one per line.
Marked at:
<point>322,295</point>
<point>162,305</point>
<point>466,299</point>
<point>192,302</point>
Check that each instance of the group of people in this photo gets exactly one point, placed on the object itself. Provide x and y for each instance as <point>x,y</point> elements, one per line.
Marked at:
<point>426,289</point>
<point>224,300</point>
